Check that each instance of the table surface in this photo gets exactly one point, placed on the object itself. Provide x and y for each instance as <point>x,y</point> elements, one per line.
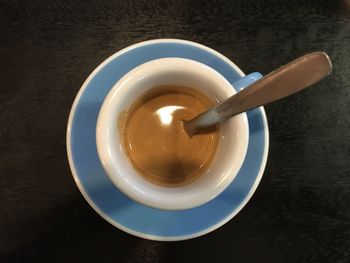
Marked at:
<point>301,209</point>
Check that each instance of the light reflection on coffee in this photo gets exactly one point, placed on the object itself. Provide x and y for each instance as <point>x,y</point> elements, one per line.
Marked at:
<point>155,141</point>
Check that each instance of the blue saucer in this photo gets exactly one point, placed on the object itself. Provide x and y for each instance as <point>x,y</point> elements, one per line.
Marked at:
<point>117,208</point>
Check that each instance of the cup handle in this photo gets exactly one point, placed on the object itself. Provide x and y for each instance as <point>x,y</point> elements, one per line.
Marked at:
<point>246,81</point>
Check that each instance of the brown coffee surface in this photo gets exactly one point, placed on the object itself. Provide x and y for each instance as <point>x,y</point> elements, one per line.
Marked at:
<point>155,141</point>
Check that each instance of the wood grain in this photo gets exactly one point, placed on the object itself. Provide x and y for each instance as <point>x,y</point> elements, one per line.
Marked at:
<point>301,210</point>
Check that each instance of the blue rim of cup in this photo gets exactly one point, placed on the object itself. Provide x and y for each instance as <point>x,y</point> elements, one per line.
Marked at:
<point>107,200</point>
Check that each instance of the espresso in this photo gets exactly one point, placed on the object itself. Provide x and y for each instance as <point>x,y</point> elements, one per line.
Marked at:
<point>155,141</point>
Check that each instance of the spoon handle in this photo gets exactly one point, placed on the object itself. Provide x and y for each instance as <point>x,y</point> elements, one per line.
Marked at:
<point>286,80</point>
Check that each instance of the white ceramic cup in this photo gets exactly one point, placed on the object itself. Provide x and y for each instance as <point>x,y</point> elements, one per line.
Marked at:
<point>229,155</point>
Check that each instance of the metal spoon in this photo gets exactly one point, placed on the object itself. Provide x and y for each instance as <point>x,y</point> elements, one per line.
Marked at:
<point>286,80</point>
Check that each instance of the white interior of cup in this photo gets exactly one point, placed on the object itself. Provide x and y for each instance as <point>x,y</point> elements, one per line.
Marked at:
<point>230,152</point>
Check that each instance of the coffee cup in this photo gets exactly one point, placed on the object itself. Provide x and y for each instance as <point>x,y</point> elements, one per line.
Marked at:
<point>229,155</point>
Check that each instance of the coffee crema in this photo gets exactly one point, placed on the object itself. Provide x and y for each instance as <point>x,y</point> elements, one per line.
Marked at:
<point>155,141</point>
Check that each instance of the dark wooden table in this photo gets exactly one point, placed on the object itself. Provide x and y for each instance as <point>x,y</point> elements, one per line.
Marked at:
<point>301,210</point>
